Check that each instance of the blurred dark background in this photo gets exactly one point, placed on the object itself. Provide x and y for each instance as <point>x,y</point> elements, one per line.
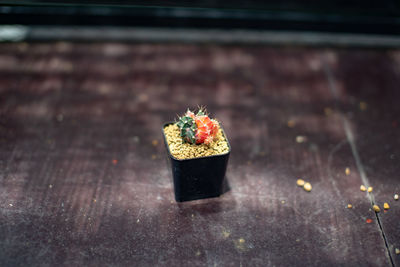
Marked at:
<point>351,16</point>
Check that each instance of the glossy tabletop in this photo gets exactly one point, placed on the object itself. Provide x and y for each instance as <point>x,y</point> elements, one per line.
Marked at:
<point>84,179</point>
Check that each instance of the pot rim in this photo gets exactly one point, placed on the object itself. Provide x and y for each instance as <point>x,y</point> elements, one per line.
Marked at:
<point>206,157</point>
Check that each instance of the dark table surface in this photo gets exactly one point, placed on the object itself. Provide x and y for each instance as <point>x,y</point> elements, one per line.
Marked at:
<point>84,178</point>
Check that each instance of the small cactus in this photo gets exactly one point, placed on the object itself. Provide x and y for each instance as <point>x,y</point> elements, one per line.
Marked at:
<point>197,128</point>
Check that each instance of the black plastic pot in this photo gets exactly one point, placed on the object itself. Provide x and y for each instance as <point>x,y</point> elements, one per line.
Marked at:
<point>198,178</point>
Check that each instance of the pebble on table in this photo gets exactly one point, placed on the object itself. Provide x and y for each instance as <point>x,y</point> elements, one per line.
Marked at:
<point>307,187</point>
<point>300,182</point>
<point>376,208</point>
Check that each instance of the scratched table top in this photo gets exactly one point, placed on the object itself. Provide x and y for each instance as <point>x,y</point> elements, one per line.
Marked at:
<point>84,178</point>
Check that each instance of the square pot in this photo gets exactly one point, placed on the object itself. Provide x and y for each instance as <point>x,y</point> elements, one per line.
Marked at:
<point>198,178</point>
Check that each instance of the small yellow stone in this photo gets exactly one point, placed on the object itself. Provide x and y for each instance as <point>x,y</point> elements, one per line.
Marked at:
<point>349,206</point>
<point>328,111</point>
<point>241,240</point>
<point>347,171</point>
<point>291,123</point>
<point>307,187</point>
<point>363,105</point>
<point>376,208</point>
<point>370,189</point>
<point>226,233</point>
<point>396,197</point>
<point>362,188</point>
<point>300,182</point>
<point>301,139</point>
<point>386,206</point>
<point>397,251</point>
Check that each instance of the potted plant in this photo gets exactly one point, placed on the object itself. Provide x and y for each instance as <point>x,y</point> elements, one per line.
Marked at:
<point>198,151</point>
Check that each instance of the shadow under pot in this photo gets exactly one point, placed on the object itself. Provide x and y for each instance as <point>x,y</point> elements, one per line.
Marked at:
<point>198,178</point>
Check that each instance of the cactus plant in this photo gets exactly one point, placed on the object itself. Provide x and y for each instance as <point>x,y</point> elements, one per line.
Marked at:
<point>197,128</point>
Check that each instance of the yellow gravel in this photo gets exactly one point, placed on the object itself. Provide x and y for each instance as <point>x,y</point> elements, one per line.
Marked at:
<point>300,182</point>
<point>307,187</point>
<point>376,208</point>
<point>183,150</point>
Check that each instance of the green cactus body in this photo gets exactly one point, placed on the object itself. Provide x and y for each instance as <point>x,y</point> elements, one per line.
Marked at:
<point>188,129</point>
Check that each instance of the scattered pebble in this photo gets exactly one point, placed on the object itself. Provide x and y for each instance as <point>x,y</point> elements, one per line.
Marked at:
<point>114,161</point>
<point>386,206</point>
<point>283,202</point>
<point>154,142</point>
<point>291,123</point>
<point>368,220</point>
<point>363,105</point>
<point>347,171</point>
<point>300,182</point>
<point>10,205</point>
<point>376,208</point>
<point>370,189</point>
<point>349,206</point>
<point>328,111</point>
<point>301,139</point>
<point>396,197</point>
<point>143,98</point>
<point>153,156</point>
<point>50,186</point>
<point>363,188</point>
<point>307,187</point>
<point>226,234</point>
<point>240,244</point>
<point>397,251</point>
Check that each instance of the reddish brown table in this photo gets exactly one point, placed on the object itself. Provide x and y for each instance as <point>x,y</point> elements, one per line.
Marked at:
<point>84,178</point>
